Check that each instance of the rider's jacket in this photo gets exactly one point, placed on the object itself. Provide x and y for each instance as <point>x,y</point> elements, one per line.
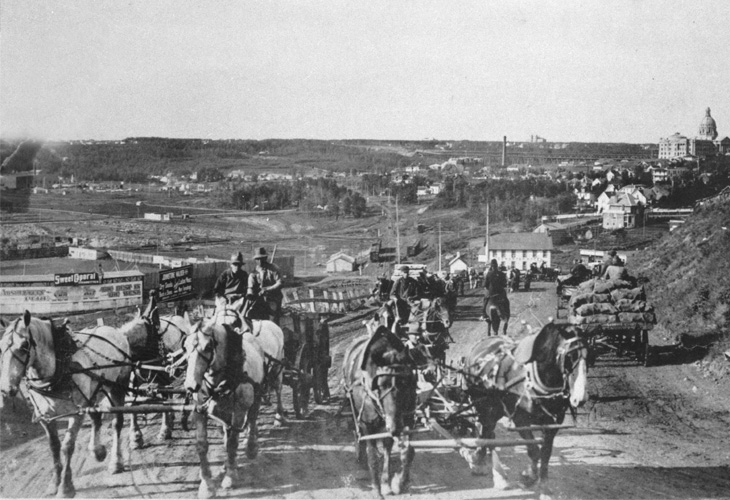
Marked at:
<point>495,282</point>
<point>405,288</point>
<point>231,283</point>
<point>266,277</point>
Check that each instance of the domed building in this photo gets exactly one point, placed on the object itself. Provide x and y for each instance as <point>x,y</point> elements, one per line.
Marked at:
<point>705,144</point>
<point>708,127</point>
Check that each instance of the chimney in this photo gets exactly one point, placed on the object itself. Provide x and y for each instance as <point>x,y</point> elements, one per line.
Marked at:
<point>504,151</point>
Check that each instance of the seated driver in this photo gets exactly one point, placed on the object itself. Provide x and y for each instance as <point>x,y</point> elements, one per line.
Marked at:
<point>231,285</point>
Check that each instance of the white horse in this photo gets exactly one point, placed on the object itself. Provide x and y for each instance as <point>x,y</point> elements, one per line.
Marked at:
<point>271,339</point>
<point>226,373</point>
<point>65,372</point>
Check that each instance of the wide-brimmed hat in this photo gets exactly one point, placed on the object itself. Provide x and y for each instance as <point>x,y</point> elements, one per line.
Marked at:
<point>237,258</point>
<point>261,254</point>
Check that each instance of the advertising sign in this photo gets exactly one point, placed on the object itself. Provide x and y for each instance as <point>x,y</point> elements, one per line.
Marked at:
<point>74,279</point>
<point>176,283</point>
<point>66,293</point>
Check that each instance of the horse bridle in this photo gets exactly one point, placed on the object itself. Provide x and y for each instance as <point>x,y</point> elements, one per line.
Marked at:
<point>399,371</point>
<point>195,343</point>
<point>6,344</point>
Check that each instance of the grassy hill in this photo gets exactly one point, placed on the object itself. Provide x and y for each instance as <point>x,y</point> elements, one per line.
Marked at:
<point>689,273</point>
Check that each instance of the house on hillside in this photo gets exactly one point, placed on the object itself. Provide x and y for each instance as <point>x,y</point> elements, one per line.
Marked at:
<point>458,264</point>
<point>624,211</point>
<point>558,232</point>
<point>340,262</point>
<point>519,249</point>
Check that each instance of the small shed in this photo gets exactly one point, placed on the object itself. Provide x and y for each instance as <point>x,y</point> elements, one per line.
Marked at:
<point>340,262</point>
<point>458,264</point>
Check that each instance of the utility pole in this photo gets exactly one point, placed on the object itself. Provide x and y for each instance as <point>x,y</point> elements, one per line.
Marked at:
<point>439,247</point>
<point>486,242</point>
<point>397,231</point>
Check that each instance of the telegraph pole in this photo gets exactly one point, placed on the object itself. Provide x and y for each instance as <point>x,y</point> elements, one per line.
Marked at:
<point>486,241</point>
<point>397,231</point>
<point>439,247</point>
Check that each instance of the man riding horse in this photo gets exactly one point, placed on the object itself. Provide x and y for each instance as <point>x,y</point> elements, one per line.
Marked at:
<point>496,303</point>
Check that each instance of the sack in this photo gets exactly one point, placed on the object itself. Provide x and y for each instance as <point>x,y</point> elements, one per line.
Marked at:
<point>599,308</point>
<point>632,295</point>
<point>608,286</point>
<point>593,320</point>
<point>640,317</point>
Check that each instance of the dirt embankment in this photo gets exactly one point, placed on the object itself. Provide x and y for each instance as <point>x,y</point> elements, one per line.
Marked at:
<point>657,432</point>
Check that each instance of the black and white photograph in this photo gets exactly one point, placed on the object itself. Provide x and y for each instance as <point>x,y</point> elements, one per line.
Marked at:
<point>326,249</point>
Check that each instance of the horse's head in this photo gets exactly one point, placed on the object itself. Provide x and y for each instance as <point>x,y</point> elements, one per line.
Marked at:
<point>200,347</point>
<point>438,312</point>
<point>391,375</point>
<point>573,356</point>
<point>18,350</point>
<point>560,357</point>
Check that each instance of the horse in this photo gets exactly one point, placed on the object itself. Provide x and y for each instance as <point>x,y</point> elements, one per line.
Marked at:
<point>171,332</point>
<point>532,383</point>
<point>66,372</point>
<point>381,382</point>
<point>496,310</point>
<point>271,339</point>
<point>226,372</point>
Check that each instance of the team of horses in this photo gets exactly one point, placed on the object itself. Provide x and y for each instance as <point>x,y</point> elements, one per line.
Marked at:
<point>232,363</point>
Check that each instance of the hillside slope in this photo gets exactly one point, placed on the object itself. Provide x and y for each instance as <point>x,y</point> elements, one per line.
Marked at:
<point>689,275</point>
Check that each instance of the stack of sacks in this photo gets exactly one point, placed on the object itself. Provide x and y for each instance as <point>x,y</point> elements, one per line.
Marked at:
<point>612,301</point>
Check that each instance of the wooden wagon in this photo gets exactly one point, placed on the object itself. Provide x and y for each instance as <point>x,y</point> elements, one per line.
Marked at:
<point>307,357</point>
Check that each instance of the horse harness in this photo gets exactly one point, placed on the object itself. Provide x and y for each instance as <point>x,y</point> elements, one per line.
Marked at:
<point>497,365</point>
<point>226,387</point>
<point>65,346</point>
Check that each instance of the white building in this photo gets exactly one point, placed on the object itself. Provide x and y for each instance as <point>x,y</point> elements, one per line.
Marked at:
<point>519,249</point>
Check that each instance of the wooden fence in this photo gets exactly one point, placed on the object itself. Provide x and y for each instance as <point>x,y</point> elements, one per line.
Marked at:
<point>318,300</point>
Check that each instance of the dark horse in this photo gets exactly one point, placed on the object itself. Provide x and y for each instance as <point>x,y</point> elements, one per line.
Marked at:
<point>532,383</point>
<point>430,316</point>
<point>226,370</point>
<point>496,310</point>
<point>380,381</point>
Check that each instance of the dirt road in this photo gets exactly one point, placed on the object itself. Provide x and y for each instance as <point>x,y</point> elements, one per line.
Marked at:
<point>658,432</point>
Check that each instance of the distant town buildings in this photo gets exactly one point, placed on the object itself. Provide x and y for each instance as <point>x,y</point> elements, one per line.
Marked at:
<point>705,144</point>
<point>519,249</point>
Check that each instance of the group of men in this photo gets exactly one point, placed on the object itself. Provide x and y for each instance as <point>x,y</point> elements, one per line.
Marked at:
<point>260,289</point>
<point>407,290</point>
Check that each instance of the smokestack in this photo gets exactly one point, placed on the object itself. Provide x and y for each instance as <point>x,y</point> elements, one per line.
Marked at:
<point>504,151</point>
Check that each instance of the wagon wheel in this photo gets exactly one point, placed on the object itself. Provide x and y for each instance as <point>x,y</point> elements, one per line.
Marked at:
<point>302,386</point>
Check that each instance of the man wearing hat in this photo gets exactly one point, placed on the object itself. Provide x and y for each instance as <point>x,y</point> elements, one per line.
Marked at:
<point>265,284</point>
<point>231,284</point>
<point>405,293</point>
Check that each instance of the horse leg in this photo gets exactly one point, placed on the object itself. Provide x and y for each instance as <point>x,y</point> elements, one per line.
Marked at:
<point>252,443</point>
<point>51,430</point>
<point>206,489</point>
<point>504,328</point>
<point>116,464</point>
<point>280,412</point>
<point>168,419</point>
<point>546,450</point>
<point>94,443</point>
<point>136,440</point>
<point>402,479</point>
<point>529,476</point>
<point>374,467</point>
<point>67,489</point>
<point>230,477</point>
<point>384,446</point>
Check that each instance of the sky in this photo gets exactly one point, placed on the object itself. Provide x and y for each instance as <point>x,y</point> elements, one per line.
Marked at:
<point>591,71</point>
